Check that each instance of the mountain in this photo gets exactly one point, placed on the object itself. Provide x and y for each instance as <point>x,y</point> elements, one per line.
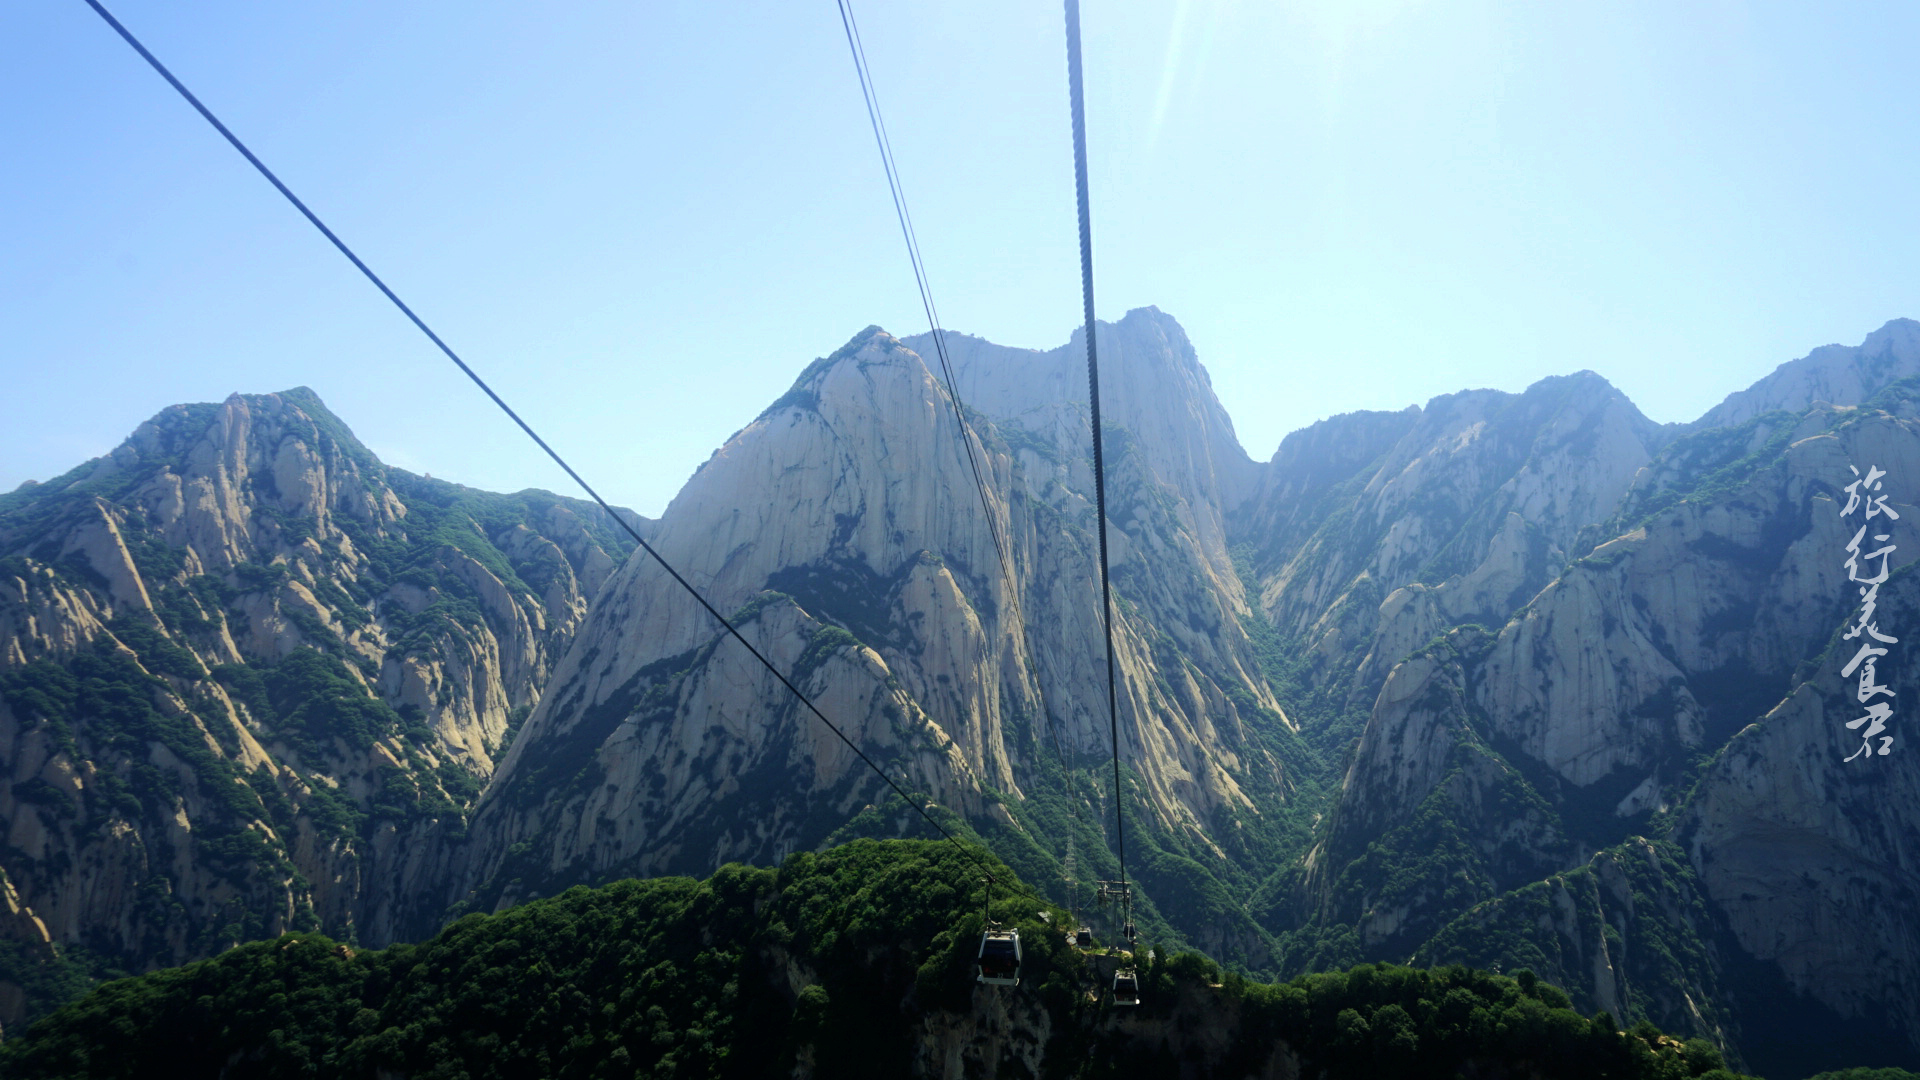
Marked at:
<point>1631,777</point>
<point>245,669</point>
<point>1373,532</point>
<point>1509,680</point>
<point>844,528</point>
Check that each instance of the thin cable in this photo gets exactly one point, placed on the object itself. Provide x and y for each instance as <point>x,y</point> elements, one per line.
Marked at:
<point>504,407</point>
<point>1077,93</point>
<point>876,118</point>
<point>894,187</point>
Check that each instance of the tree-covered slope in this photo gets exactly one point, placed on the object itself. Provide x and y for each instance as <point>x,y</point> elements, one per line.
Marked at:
<point>853,962</point>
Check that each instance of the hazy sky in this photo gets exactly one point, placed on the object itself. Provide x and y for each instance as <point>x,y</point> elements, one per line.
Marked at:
<point>642,219</point>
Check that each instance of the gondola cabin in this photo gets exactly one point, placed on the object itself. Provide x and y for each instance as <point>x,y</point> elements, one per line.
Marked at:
<point>1126,987</point>
<point>1083,937</point>
<point>1000,957</point>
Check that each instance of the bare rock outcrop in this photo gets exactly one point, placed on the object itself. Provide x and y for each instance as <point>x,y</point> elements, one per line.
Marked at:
<point>1560,683</point>
<point>1455,513</point>
<point>845,519</point>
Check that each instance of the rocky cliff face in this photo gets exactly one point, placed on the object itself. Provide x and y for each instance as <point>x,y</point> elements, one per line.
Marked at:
<point>1551,615</point>
<point>1814,864</point>
<point>1677,678</point>
<point>245,670</point>
<point>844,525</point>
<point>1373,532</point>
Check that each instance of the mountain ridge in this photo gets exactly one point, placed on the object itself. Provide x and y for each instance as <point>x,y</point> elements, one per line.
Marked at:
<point>1472,680</point>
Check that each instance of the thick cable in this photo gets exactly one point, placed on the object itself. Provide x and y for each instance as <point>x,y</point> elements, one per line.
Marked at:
<point>1076,91</point>
<point>877,120</point>
<point>524,426</point>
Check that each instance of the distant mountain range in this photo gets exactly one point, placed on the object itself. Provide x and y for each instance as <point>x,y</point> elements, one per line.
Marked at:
<point>1510,680</point>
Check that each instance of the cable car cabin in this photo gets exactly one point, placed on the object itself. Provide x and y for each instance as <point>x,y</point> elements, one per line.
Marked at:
<point>1000,957</point>
<point>1083,937</point>
<point>1126,987</point>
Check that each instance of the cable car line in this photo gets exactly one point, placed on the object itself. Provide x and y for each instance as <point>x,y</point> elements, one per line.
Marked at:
<point>1077,94</point>
<point>870,96</point>
<point>259,165</point>
<point>1126,978</point>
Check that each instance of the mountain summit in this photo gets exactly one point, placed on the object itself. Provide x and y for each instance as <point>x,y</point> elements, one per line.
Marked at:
<point>245,671</point>
<point>844,525</point>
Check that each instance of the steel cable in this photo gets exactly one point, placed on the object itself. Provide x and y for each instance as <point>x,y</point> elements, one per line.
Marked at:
<point>1076,91</point>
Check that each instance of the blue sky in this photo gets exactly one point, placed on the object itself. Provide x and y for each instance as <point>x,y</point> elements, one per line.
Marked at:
<point>642,219</point>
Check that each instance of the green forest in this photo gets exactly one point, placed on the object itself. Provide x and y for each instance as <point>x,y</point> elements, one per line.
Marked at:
<point>847,961</point>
